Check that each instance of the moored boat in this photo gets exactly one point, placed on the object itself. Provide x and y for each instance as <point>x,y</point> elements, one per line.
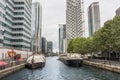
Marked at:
<point>73,60</point>
<point>35,61</point>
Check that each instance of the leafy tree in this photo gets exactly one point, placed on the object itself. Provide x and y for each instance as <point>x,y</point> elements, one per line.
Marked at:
<point>106,39</point>
<point>90,45</point>
<point>70,46</point>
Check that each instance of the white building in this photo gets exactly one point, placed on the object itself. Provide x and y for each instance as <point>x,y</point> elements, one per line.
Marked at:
<point>93,18</point>
<point>118,12</point>
<point>36,25</point>
<point>74,19</point>
<point>15,24</point>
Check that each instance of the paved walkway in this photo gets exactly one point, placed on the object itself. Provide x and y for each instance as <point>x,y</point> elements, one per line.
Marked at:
<point>112,63</point>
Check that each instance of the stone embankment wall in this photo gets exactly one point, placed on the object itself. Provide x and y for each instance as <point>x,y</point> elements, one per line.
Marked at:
<point>102,66</point>
<point>10,70</point>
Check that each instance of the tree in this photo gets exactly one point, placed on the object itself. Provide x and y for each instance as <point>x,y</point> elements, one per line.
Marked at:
<point>70,46</point>
<point>106,39</point>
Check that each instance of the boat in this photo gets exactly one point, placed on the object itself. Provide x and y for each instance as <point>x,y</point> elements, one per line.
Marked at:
<point>77,62</point>
<point>72,61</point>
<point>35,61</point>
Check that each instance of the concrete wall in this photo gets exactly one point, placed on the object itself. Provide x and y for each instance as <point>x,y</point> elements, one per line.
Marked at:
<point>103,66</point>
<point>10,70</point>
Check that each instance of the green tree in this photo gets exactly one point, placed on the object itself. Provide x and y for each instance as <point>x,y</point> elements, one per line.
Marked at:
<point>70,46</point>
<point>106,39</point>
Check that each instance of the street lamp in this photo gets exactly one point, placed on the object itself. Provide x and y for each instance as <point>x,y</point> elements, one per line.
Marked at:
<point>12,56</point>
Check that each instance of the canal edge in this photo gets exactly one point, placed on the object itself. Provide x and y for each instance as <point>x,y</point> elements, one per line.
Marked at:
<point>11,70</point>
<point>102,66</point>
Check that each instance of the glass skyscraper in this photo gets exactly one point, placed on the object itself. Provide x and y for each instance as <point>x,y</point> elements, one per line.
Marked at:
<point>36,26</point>
<point>62,36</point>
<point>93,18</point>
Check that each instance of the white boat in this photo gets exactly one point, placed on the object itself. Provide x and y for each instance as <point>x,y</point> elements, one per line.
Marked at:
<point>36,61</point>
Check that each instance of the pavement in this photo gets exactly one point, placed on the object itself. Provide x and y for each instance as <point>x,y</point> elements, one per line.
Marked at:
<point>107,62</point>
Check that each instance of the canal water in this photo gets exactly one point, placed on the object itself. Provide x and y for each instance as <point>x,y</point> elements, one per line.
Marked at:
<point>56,70</point>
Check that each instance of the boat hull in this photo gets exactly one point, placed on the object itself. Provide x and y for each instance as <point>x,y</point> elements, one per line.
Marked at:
<point>75,63</point>
<point>35,65</point>
<point>72,62</point>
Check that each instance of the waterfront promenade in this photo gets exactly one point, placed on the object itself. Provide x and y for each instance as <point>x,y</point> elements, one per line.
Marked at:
<point>104,64</point>
<point>107,62</point>
<point>9,70</point>
<point>10,67</point>
<point>9,60</point>
<point>13,62</point>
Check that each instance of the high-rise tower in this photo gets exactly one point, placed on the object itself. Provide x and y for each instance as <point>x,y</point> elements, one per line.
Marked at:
<point>74,19</point>
<point>36,25</point>
<point>93,18</point>
<point>62,37</point>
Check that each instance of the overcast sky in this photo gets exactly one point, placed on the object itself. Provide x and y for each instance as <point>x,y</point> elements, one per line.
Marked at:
<point>54,13</point>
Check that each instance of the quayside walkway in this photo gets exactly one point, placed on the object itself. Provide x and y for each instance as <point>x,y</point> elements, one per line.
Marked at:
<point>104,64</point>
<point>112,63</point>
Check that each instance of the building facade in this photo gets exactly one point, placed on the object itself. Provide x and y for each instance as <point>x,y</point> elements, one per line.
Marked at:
<point>49,47</point>
<point>74,20</point>
<point>15,24</point>
<point>93,18</point>
<point>44,45</point>
<point>2,21</point>
<point>118,12</point>
<point>62,37</point>
<point>36,26</point>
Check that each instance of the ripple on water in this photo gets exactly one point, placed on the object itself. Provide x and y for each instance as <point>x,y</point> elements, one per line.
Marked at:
<point>91,78</point>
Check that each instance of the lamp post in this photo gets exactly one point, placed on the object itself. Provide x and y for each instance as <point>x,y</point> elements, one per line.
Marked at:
<point>12,56</point>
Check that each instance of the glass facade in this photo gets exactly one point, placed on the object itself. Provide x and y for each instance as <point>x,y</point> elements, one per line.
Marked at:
<point>62,36</point>
<point>93,18</point>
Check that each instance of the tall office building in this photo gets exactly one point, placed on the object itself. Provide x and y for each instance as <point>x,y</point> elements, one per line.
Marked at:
<point>15,24</point>
<point>74,19</point>
<point>49,47</point>
<point>62,37</point>
<point>93,18</point>
<point>44,45</point>
<point>36,26</point>
<point>2,21</point>
<point>118,12</point>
